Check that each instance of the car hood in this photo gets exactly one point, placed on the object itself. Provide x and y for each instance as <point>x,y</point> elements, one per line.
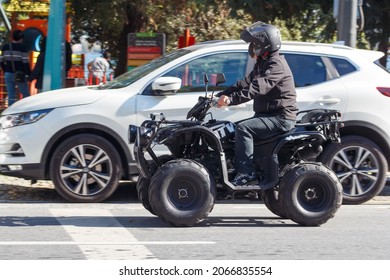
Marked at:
<point>57,98</point>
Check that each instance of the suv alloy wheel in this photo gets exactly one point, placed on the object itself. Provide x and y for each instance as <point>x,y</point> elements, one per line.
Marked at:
<point>85,168</point>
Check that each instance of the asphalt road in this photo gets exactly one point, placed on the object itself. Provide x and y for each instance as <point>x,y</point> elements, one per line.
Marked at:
<point>37,224</point>
<point>237,230</point>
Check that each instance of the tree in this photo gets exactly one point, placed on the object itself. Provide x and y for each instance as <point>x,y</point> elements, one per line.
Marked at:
<point>377,29</point>
<point>100,20</point>
<point>111,21</point>
<point>207,20</point>
<point>301,20</point>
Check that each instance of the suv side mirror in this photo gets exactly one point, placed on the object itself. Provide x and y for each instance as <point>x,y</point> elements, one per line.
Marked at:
<point>166,85</point>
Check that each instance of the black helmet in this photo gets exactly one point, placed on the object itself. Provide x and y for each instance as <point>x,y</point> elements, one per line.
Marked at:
<point>263,38</point>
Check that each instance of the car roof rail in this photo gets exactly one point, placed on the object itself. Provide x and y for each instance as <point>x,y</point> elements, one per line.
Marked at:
<point>334,45</point>
<point>221,42</point>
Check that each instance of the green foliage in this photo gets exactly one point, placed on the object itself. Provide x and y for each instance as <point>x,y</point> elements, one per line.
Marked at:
<point>206,20</point>
<point>300,20</point>
<point>307,21</point>
<point>111,21</point>
<point>99,19</point>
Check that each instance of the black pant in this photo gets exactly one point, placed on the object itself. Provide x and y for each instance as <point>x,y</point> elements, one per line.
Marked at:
<point>259,127</point>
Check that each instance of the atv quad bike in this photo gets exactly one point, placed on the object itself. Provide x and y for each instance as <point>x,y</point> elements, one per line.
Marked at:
<point>181,187</point>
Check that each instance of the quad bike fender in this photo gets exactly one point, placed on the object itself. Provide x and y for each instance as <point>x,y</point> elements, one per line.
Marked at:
<point>214,141</point>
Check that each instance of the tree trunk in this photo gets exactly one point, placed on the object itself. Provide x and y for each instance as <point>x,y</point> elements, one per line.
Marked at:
<point>134,22</point>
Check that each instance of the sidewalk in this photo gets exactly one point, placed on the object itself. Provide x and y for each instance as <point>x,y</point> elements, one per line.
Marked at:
<point>16,189</point>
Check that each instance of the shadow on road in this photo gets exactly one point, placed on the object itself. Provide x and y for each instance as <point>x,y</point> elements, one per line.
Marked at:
<point>142,221</point>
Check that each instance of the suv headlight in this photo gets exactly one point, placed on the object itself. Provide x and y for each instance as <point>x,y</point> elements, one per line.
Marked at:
<point>13,120</point>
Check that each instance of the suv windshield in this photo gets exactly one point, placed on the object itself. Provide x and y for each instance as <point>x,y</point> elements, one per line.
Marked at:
<point>140,71</point>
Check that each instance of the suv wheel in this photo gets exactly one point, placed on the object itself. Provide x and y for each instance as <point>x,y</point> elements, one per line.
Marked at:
<point>85,168</point>
<point>360,166</point>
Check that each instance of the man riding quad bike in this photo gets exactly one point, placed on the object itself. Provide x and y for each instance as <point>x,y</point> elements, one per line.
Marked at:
<point>181,187</point>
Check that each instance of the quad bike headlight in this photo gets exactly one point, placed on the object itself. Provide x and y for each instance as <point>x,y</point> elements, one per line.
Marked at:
<point>144,135</point>
<point>132,135</point>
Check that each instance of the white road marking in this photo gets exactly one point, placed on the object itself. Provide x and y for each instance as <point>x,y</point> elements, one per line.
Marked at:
<point>47,243</point>
<point>97,240</point>
<point>100,236</point>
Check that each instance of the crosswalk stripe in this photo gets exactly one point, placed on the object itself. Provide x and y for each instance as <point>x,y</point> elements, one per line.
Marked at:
<point>92,237</point>
<point>48,243</point>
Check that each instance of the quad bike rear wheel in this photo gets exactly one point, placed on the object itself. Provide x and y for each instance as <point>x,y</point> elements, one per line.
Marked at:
<point>182,193</point>
<point>310,194</point>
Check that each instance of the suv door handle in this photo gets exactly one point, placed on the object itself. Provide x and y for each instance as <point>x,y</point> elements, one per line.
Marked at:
<point>328,100</point>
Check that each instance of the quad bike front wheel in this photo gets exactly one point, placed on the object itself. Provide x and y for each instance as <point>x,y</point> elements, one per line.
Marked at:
<point>143,193</point>
<point>310,194</point>
<point>143,184</point>
<point>182,193</point>
<point>272,202</point>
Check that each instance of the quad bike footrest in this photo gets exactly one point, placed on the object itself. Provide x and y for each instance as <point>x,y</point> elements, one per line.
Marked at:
<point>256,187</point>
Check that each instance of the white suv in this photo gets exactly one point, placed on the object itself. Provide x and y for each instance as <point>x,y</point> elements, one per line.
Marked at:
<point>77,137</point>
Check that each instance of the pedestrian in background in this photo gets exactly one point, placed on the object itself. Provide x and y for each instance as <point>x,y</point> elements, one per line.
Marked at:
<point>37,72</point>
<point>99,68</point>
<point>15,64</point>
